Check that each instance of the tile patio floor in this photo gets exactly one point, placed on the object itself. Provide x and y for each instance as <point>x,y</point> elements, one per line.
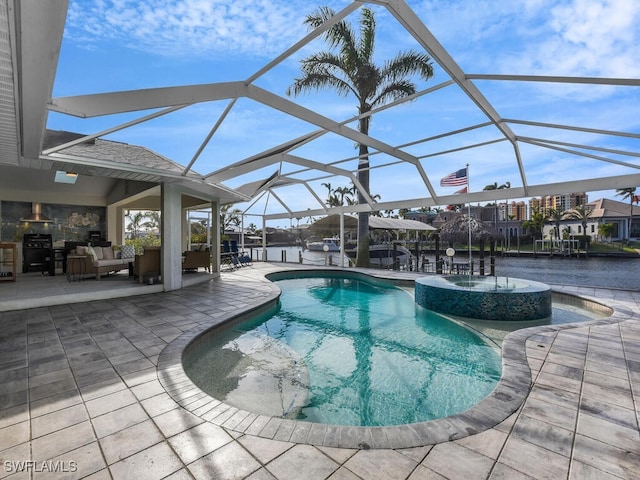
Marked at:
<point>80,394</point>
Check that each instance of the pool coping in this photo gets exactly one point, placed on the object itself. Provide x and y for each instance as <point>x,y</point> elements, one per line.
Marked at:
<point>508,395</point>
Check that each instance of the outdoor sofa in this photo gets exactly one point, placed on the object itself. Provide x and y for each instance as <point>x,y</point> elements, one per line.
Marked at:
<point>87,260</point>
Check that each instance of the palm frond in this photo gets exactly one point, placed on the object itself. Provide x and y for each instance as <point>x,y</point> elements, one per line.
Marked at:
<point>317,18</point>
<point>394,91</point>
<point>320,81</point>
<point>367,35</point>
<point>339,35</point>
<point>407,64</point>
<point>324,62</point>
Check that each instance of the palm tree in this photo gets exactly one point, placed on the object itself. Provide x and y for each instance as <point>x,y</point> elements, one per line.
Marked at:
<point>555,215</point>
<point>582,213</point>
<point>351,71</point>
<point>332,199</point>
<point>344,194</point>
<point>136,220</point>
<point>630,194</point>
<point>535,224</point>
<point>153,219</point>
<point>229,217</point>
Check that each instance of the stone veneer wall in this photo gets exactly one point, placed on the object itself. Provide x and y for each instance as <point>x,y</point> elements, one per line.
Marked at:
<point>527,301</point>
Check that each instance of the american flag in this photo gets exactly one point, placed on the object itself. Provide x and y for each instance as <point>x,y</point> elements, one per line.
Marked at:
<point>455,179</point>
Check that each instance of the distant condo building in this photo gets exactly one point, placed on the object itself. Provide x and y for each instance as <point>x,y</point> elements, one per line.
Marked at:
<point>512,211</point>
<point>563,203</point>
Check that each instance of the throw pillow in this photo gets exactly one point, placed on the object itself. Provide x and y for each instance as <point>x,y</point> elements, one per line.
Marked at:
<point>81,250</point>
<point>99,253</point>
<point>128,251</point>
<point>107,253</point>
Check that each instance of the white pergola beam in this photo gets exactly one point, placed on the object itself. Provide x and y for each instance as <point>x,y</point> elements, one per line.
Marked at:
<point>259,160</point>
<point>583,154</point>
<point>578,145</point>
<point>592,184</point>
<point>234,170</point>
<point>213,130</point>
<point>281,104</point>
<point>111,130</point>
<point>412,23</point>
<point>37,50</point>
<point>631,82</point>
<point>573,128</point>
<point>312,165</point>
<point>279,200</point>
<point>98,104</point>
<point>304,41</point>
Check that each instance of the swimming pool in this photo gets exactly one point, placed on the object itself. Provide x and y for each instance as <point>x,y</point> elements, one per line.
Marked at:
<point>346,351</point>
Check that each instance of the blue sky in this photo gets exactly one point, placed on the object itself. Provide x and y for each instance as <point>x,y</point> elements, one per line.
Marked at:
<point>112,45</point>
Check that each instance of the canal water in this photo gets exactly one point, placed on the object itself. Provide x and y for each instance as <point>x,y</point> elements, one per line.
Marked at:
<point>604,272</point>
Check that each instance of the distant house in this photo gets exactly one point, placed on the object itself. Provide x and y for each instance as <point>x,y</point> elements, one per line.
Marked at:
<point>603,211</point>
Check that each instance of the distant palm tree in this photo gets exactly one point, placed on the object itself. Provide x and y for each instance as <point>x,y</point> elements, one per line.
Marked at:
<point>535,224</point>
<point>494,186</point>
<point>582,213</point>
<point>630,194</point>
<point>229,217</point>
<point>352,71</point>
<point>345,194</point>
<point>136,222</point>
<point>153,219</point>
<point>332,199</point>
<point>555,215</point>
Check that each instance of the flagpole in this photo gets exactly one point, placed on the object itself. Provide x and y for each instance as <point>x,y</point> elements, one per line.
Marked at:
<point>469,218</point>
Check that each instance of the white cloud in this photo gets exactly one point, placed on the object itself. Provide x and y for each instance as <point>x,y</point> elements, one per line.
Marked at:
<point>597,38</point>
<point>257,28</point>
<point>544,37</point>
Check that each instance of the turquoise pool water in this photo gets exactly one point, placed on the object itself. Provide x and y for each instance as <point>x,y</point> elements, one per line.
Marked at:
<point>347,352</point>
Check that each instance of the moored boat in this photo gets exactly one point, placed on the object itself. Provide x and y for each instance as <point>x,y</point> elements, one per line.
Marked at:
<point>332,244</point>
<point>382,255</point>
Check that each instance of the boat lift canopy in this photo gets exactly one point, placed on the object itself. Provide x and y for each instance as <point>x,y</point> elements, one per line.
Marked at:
<point>381,223</point>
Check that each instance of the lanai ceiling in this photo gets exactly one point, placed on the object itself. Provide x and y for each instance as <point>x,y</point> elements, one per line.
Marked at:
<point>29,46</point>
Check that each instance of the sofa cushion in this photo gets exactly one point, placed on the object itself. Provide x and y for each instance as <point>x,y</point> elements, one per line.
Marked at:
<point>114,262</point>
<point>128,251</point>
<point>99,254</point>
<point>107,253</point>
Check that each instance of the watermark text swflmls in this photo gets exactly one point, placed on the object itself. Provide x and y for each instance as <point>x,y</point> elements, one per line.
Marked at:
<point>58,466</point>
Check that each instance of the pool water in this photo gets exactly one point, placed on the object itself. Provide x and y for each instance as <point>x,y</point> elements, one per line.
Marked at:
<point>347,352</point>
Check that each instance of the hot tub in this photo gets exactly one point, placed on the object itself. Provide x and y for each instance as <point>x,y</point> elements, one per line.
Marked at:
<point>485,298</point>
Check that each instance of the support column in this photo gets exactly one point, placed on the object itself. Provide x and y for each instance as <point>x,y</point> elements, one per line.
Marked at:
<point>342,242</point>
<point>171,261</point>
<point>215,237</point>
<point>115,225</point>
<point>264,239</point>
<point>492,257</point>
<point>438,261</point>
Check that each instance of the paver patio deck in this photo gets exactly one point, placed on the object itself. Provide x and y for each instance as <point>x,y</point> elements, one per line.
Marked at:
<point>81,395</point>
